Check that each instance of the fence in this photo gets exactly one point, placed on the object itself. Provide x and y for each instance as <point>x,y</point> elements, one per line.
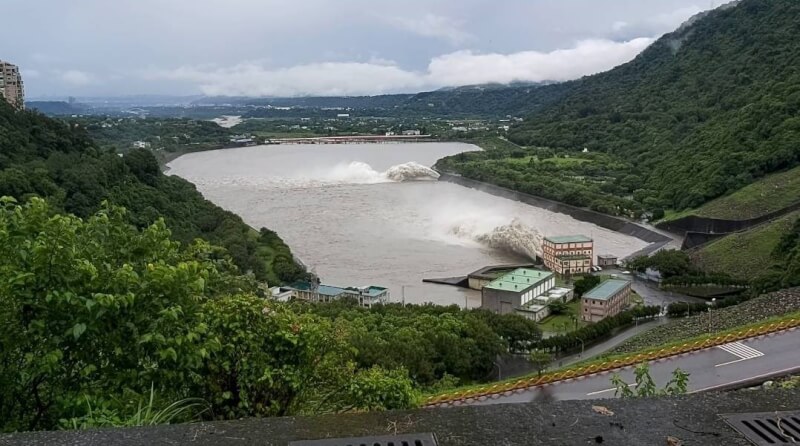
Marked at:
<point>510,387</point>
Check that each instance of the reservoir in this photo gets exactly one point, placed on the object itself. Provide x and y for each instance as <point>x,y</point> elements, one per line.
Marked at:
<point>373,214</point>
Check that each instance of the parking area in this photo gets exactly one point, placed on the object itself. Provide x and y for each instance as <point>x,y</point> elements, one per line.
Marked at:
<point>649,291</point>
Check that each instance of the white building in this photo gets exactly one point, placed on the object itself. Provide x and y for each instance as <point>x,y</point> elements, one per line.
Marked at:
<point>413,132</point>
<point>140,145</point>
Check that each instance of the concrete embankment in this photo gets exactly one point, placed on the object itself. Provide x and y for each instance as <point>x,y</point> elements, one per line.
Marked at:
<point>701,230</point>
<point>693,223</point>
<point>604,221</point>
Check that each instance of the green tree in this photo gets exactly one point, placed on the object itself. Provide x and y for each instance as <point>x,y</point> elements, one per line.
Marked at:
<point>96,314</point>
<point>540,359</point>
<point>557,307</point>
<point>644,386</point>
<point>585,284</point>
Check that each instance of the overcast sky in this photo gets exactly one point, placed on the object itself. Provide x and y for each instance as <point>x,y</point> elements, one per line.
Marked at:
<point>320,47</point>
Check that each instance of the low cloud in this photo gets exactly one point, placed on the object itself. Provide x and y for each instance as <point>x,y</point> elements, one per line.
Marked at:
<point>381,76</point>
<point>323,79</point>
<point>655,25</point>
<point>587,57</point>
<point>77,78</point>
<point>432,25</point>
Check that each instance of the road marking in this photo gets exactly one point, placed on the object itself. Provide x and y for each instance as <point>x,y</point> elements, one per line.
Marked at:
<point>741,351</point>
<point>607,390</point>
<point>752,378</point>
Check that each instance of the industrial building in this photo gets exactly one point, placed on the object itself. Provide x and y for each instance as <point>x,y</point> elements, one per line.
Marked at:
<point>568,254</point>
<point>366,296</point>
<point>524,291</point>
<point>12,88</point>
<point>476,280</point>
<point>607,260</point>
<point>606,299</point>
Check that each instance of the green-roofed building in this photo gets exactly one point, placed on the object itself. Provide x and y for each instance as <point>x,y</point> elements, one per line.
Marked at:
<point>606,299</point>
<point>524,291</point>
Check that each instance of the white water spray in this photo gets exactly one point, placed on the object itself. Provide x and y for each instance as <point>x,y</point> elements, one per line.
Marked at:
<point>515,237</point>
<point>358,172</point>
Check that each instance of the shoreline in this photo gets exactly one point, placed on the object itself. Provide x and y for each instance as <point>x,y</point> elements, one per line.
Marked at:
<point>615,224</point>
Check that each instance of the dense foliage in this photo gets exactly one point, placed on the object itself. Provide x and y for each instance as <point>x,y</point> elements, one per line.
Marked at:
<point>168,134</point>
<point>47,158</point>
<point>590,333</point>
<point>437,345</point>
<point>95,313</point>
<point>700,113</point>
<point>785,270</point>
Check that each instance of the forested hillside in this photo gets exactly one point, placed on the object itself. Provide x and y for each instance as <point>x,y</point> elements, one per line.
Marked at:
<point>475,101</point>
<point>51,159</point>
<point>702,112</point>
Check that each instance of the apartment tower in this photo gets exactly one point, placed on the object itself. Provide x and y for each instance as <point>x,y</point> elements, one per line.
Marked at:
<point>11,86</point>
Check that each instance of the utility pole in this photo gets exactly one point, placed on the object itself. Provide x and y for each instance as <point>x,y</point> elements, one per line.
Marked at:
<point>710,317</point>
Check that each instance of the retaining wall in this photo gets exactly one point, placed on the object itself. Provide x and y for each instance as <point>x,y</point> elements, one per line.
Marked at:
<point>693,223</point>
<point>603,220</point>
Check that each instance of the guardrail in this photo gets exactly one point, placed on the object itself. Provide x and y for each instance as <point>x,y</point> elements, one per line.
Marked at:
<point>510,387</point>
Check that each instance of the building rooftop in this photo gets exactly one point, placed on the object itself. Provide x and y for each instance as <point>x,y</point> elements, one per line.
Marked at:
<point>494,271</point>
<point>328,290</point>
<point>519,279</point>
<point>568,239</point>
<point>605,290</point>
<point>606,256</point>
<point>373,291</point>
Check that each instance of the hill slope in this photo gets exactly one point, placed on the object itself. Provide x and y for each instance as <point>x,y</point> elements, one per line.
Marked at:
<point>48,158</point>
<point>771,193</point>
<point>745,254</point>
<point>700,113</point>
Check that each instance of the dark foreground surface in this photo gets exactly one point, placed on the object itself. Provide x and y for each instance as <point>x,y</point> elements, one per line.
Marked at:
<point>694,419</point>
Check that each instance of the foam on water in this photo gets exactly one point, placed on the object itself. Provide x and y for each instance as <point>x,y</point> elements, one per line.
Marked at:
<point>514,237</point>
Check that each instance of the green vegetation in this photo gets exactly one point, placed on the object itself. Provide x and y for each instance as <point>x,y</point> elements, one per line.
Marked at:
<point>645,386</point>
<point>109,318</point>
<point>433,343</point>
<point>777,305</point>
<point>565,321</point>
<point>163,134</point>
<point>702,112</point>
<point>105,324</point>
<point>580,179</point>
<point>97,314</point>
<point>631,347</point>
<point>746,254</point>
<point>589,333</point>
<point>50,159</point>
<point>540,360</point>
<point>766,195</point>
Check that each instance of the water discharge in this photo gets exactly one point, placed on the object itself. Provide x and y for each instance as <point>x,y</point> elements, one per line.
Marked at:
<point>357,172</point>
<point>363,214</point>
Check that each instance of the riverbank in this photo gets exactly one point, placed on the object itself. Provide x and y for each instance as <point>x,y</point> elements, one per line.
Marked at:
<point>627,227</point>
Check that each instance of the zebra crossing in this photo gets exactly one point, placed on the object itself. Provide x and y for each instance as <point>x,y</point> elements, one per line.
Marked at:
<point>741,351</point>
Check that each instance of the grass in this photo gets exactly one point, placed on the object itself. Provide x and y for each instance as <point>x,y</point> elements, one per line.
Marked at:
<point>492,143</point>
<point>563,322</point>
<point>768,194</point>
<point>611,357</point>
<point>744,254</point>
<point>146,414</point>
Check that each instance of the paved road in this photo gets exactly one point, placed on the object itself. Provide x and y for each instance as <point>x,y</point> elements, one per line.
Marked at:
<point>650,292</point>
<point>709,369</point>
